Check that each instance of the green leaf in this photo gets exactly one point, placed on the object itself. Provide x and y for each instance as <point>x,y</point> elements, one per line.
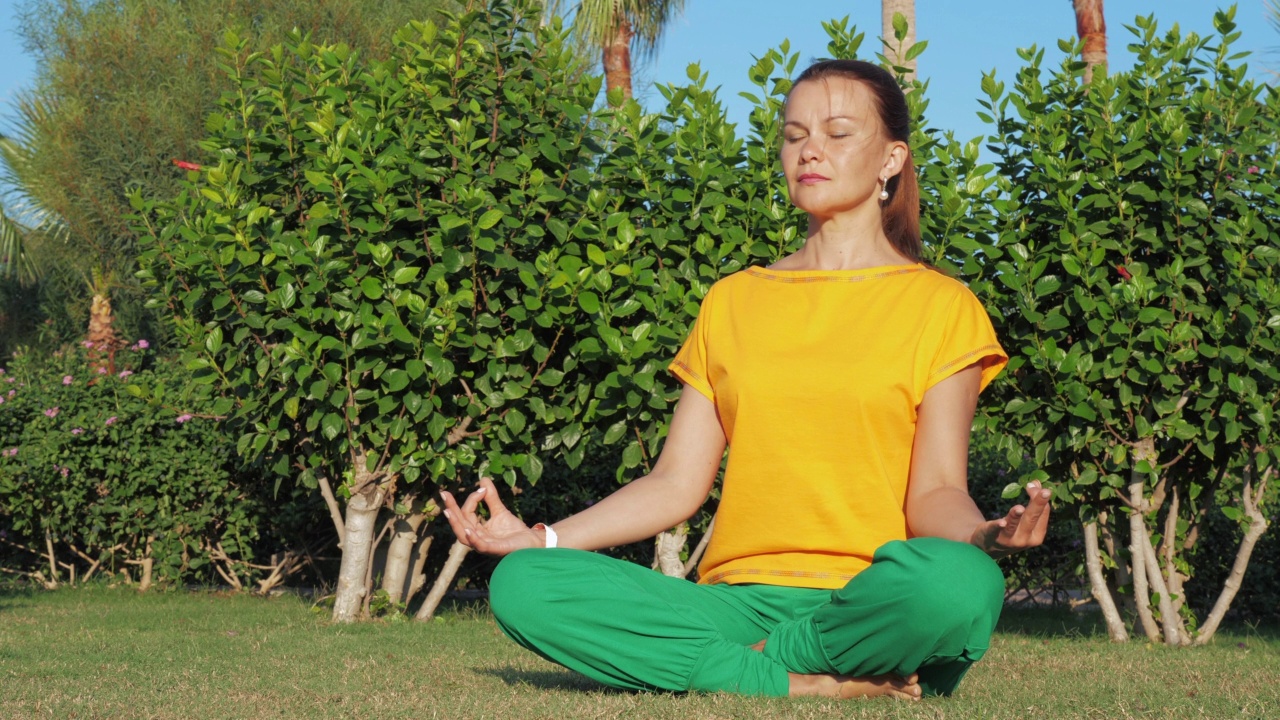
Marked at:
<point>900,27</point>
<point>331,426</point>
<point>615,432</point>
<point>371,288</point>
<point>489,219</point>
<point>396,380</point>
<point>404,275</point>
<point>213,341</point>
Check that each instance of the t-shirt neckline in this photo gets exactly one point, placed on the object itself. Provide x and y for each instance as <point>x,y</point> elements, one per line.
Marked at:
<point>870,273</point>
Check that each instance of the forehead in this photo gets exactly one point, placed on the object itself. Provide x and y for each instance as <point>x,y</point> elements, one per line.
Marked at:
<point>830,97</point>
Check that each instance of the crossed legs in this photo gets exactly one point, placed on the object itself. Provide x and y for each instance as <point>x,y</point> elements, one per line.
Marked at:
<point>925,609</point>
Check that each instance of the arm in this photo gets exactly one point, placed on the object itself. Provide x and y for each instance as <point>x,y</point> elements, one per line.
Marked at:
<point>675,489</point>
<point>938,502</point>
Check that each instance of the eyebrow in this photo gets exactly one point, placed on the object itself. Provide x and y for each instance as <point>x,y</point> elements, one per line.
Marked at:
<point>829,119</point>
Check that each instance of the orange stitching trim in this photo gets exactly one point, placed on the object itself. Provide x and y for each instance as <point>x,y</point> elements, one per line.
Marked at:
<point>767,275</point>
<point>688,369</point>
<point>985,349</point>
<point>717,577</point>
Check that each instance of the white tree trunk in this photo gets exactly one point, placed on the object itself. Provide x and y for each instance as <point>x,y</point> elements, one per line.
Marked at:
<point>667,547</point>
<point>404,537</point>
<point>1098,585</point>
<point>362,517</point>
<point>1138,558</point>
<point>696,555</point>
<point>417,578</point>
<point>443,581</point>
<point>1257,526</point>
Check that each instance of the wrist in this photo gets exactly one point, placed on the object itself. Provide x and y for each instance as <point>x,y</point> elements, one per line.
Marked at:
<point>547,535</point>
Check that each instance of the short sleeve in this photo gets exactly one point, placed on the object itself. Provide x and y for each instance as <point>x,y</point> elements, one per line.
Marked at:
<point>967,337</point>
<point>690,364</point>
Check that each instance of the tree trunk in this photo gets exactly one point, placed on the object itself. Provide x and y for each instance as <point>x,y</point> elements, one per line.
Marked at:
<point>667,547</point>
<point>443,581</point>
<point>404,537</point>
<point>417,578</point>
<point>617,62</point>
<point>894,50</point>
<point>101,336</point>
<point>1122,576</point>
<point>1092,29</point>
<point>362,518</point>
<point>1138,558</point>
<point>1098,585</point>
<point>1257,526</point>
<point>1174,632</point>
<point>692,563</point>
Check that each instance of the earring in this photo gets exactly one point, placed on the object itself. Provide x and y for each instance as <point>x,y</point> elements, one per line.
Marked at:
<point>884,191</point>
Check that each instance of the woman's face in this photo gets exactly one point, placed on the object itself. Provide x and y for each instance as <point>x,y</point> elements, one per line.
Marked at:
<point>834,148</point>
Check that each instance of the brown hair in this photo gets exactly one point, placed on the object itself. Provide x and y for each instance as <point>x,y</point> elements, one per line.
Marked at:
<point>900,215</point>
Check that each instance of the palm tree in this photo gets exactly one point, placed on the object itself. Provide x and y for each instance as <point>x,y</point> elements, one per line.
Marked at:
<point>615,26</point>
<point>895,49</point>
<point>1092,29</point>
<point>24,222</point>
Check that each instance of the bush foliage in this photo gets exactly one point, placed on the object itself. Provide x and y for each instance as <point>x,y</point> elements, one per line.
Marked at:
<point>96,479</point>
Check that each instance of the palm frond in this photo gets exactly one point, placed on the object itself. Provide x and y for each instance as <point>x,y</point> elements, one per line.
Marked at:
<point>596,21</point>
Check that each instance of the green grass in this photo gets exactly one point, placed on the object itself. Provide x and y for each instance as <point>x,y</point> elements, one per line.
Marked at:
<point>102,653</point>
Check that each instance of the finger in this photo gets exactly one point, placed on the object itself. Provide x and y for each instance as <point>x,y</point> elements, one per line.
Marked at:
<point>473,502</point>
<point>1036,518</point>
<point>491,497</point>
<point>456,519</point>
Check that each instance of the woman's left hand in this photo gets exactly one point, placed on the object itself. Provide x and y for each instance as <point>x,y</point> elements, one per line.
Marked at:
<point>1024,527</point>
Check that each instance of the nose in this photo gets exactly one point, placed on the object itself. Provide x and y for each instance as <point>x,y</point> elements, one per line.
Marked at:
<point>810,150</point>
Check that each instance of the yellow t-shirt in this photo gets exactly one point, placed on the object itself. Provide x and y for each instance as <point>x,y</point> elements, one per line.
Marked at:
<point>816,376</point>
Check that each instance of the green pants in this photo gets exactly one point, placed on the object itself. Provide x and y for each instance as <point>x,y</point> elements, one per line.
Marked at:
<point>925,606</point>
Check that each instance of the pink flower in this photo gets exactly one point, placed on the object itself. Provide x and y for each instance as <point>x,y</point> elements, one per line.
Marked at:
<point>1,399</point>
<point>125,373</point>
<point>8,379</point>
<point>142,345</point>
<point>11,452</point>
<point>102,371</point>
<point>1253,169</point>
<point>11,392</point>
<point>67,379</point>
<point>87,344</point>
<point>183,417</point>
<point>51,412</point>
<point>111,420</point>
<point>65,471</point>
<point>77,431</point>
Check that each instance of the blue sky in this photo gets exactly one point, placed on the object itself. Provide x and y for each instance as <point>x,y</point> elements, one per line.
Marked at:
<point>965,38</point>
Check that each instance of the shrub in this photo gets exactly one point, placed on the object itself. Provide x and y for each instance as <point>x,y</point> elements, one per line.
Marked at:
<point>96,478</point>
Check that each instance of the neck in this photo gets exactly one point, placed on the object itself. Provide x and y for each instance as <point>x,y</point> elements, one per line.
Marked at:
<point>844,243</point>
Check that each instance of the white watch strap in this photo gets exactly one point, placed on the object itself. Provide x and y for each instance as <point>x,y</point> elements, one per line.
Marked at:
<point>552,538</point>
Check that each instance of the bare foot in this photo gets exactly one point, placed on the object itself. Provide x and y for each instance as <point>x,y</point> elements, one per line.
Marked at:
<point>845,687</point>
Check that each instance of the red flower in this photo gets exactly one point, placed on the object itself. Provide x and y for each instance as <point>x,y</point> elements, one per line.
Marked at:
<point>1123,273</point>
<point>186,165</point>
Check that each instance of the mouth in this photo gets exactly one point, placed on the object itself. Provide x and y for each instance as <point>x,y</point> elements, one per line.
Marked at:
<point>811,178</point>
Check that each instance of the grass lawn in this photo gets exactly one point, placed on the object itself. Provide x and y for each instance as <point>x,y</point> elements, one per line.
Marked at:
<point>102,653</point>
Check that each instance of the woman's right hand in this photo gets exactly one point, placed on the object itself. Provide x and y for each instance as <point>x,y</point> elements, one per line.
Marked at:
<point>501,534</point>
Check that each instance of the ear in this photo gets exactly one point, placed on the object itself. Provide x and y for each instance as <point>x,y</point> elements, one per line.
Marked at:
<point>895,156</point>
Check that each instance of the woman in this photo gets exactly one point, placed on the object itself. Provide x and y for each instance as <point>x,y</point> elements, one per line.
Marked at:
<point>848,558</point>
